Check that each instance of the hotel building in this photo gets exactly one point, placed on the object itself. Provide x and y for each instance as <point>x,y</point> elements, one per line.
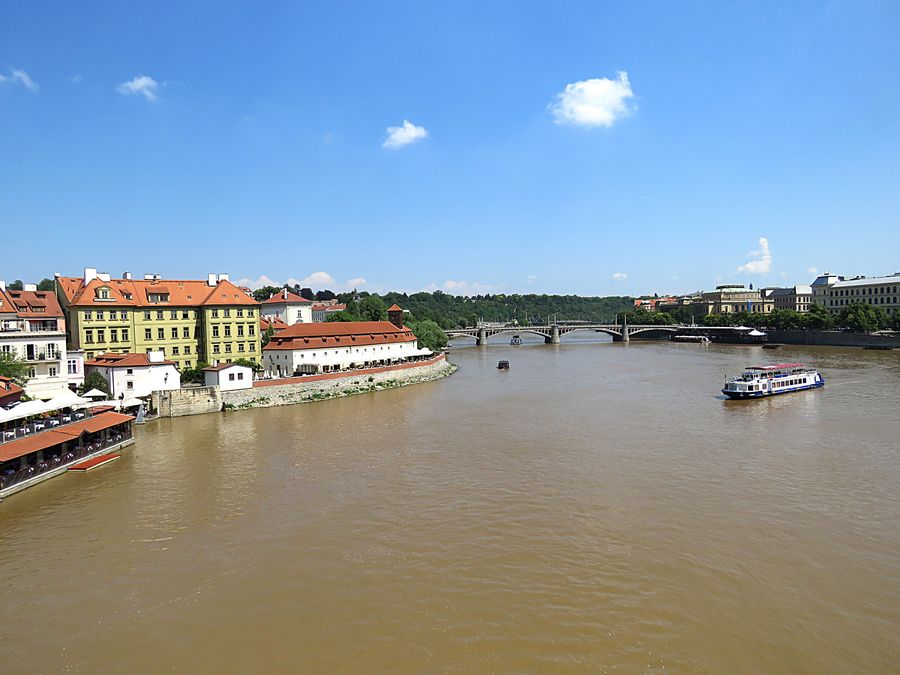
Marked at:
<point>883,292</point>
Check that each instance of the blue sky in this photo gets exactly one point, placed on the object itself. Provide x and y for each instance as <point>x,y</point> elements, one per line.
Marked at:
<point>560,147</point>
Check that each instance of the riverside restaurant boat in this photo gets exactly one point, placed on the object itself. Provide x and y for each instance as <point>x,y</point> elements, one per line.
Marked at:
<point>780,378</point>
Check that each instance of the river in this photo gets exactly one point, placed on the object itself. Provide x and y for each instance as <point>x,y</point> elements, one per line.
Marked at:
<point>599,506</point>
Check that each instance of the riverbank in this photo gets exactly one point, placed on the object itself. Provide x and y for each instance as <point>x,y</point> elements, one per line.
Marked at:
<point>303,389</point>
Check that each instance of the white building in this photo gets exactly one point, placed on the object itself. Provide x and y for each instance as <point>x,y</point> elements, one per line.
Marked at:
<point>883,292</point>
<point>135,375</point>
<point>32,328</point>
<point>333,346</point>
<point>321,311</point>
<point>75,368</point>
<point>228,376</point>
<point>797,298</point>
<point>289,307</point>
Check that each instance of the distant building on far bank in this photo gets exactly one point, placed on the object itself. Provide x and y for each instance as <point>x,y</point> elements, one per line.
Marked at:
<point>797,298</point>
<point>321,311</point>
<point>653,304</point>
<point>733,298</point>
<point>837,293</point>
<point>289,307</point>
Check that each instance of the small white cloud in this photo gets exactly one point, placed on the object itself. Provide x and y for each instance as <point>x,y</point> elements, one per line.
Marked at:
<point>144,85</point>
<point>763,262</point>
<point>75,79</point>
<point>597,102</point>
<point>461,288</point>
<point>619,276</point>
<point>20,77</point>
<point>531,278</point>
<point>397,137</point>
<point>357,282</point>
<point>813,270</point>
<point>317,281</point>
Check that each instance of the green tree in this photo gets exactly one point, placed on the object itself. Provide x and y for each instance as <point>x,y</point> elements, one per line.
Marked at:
<point>268,335</point>
<point>265,293</point>
<point>194,375</point>
<point>819,318</point>
<point>14,368</point>
<point>430,335</point>
<point>17,285</point>
<point>94,380</point>
<point>47,285</point>
<point>372,308</point>
<point>861,317</point>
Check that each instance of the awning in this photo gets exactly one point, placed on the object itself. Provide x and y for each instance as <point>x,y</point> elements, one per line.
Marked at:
<point>94,393</point>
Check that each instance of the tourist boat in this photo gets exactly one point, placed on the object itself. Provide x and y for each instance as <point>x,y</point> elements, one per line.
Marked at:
<point>690,338</point>
<point>503,365</point>
<point>772,345</point>
<point>780,378</point>
<point>516,340</point>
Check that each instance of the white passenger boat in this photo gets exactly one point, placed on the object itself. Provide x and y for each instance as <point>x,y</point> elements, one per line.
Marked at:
<point>780,378</point>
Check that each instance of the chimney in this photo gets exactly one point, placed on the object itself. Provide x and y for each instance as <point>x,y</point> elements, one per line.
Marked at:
<point>90,273</point>
<point>223,277</point>
<point>126,276</point>
<point>2,285</point>
<point>156,357</point>
<point>29,287</point>
<point>103,276</point>
<point>284,292</point>
<point>211,280</point>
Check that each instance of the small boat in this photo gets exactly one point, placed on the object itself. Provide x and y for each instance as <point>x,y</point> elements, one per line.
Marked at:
<point>516,340</point>
<point>690,338</point>
<point>772,345</point>
<point>780,378</point>
<point>503,365</point>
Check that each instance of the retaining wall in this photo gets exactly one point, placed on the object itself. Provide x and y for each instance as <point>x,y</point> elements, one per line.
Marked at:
<point>188,401</point>
<point>833,338</point>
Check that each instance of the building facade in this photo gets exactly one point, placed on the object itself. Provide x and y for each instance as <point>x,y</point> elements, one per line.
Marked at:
<point>797,298</point>
<point>289,307</point>
<point>733,298</point>
<point>135,375</point>
<point>883,292</point>
<point>190,321</point>
<point>321,311</point>
<point>33,329</point>
<point>334,346</point>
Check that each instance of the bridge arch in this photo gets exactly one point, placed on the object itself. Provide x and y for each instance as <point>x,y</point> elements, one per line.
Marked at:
<point>565,330</point>
<point>654,329</point>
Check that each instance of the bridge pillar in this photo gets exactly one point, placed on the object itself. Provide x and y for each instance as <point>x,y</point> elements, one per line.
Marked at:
<point>554,336</point>
<point>482,338</point>
<point>626,337</point>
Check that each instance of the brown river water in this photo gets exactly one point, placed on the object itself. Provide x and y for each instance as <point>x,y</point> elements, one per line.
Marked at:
<point>597,507</point>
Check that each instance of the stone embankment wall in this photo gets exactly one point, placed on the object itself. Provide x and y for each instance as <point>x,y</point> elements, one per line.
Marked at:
<point>267,393</point>
<point>187,401</point>
<point>833,338</point>
<point>317,388</point>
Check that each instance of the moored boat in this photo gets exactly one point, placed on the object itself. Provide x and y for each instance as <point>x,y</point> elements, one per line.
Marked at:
<point>779,378</point>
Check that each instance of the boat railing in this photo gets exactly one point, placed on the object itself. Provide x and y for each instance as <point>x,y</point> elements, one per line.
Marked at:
<point>39,424</point>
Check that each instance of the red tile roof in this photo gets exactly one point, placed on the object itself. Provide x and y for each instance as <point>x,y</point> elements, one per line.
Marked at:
<point>285,296</point>
<point>223,366</point>
<point>276,323</point>
<point>136,293</point>
<point>329,308</point>
<point>9,391</point>
<point>113,360</point>
<point>338,334</point>
<point>52,437</point>
<point>395,308</point>
<point>24,303</point>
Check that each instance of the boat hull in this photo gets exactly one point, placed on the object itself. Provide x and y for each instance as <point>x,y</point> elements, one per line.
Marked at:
<point>740,395</point>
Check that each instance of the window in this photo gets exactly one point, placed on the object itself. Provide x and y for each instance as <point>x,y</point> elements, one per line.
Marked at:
<point>32,372</point>
<point>89,315</point>
<point>89,336</point>
<point>251,329</point>
<point>161,333</point>
<point>240,312</point>
<point>174,314</point>
<point>187,349</point>
<point>215,314</point>
<point>124,335</point>
<point>129,385</point>
<point>215,349</point>
<point>174,333</point>
<point>227,312</point>
<point>129,371</point>
<point>174,351</point>
<point>240,330</point>
<point>185,332</point>
<point>187,364</point>
<point>228,347</point>
<point>215,331</point>
<point>228,330</point>
<point>159,315</point>
<point>89,355</point>
<point>100,315</point>
<point>52,371</point>
<point>73,367</point>
<point>113,335</point>
<point>146,316</point>
<point>240,346</point>
<point>148,334</point>
<point>231,377</point>
<point>123,315</point>
<point>185,315</point>
<point>240,376</point>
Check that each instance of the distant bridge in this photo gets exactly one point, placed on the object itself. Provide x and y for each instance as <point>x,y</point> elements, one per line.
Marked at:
<point>552,332</point>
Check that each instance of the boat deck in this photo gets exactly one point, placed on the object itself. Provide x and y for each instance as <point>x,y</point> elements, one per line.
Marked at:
<point>94,462</point>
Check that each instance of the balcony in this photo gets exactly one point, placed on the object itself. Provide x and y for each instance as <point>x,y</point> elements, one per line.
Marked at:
<point>38,357</point>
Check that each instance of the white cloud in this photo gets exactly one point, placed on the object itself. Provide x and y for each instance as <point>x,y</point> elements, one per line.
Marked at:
<point>619,276</point>
<point>763,262</point>
<point>813,270</point>
<point>144,85</point>
<point>461,288</point>
<point>75,79</point>
<point>531,278</point>
<point>397,137</point>
<point>20,77</point>
<point>594,103</point>
<point>317,281</point>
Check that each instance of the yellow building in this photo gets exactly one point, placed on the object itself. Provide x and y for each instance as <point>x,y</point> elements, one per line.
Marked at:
<point>191,321</point>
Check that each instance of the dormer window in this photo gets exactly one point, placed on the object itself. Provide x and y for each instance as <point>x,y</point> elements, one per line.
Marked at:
<point>102,293</point>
